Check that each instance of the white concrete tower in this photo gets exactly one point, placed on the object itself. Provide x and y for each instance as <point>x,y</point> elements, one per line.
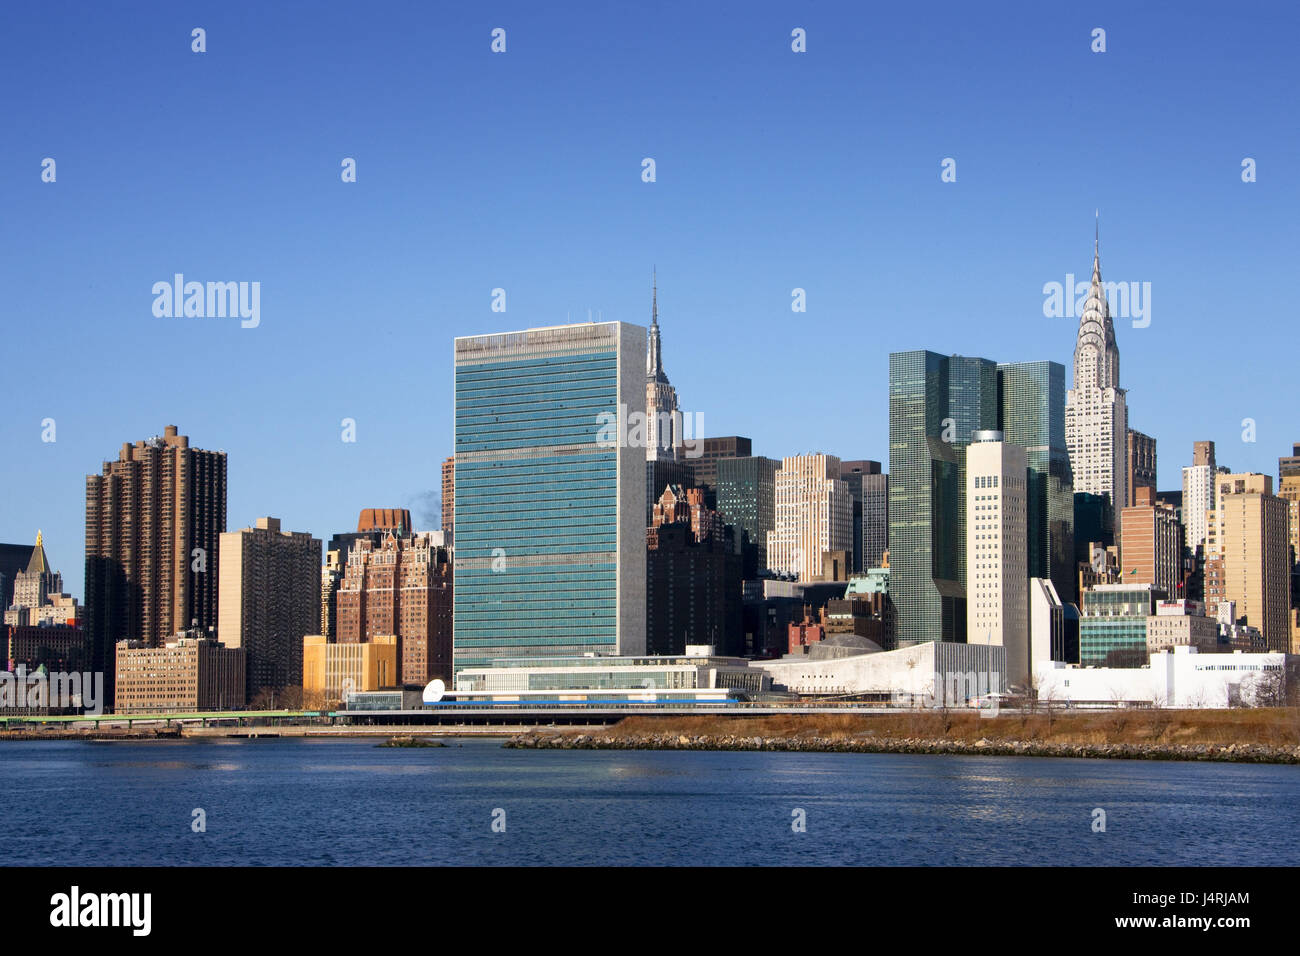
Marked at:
<point>997,550</point>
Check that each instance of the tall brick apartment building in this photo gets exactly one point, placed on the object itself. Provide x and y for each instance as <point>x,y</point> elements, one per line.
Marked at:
<point>153,521</point>
<point>401,586</point>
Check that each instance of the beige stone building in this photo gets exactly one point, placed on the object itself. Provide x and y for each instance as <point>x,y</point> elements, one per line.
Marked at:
<point>1249,535</point>
<point>814,514</point>
<point>1182,624</point>
<point>189,673</point>
<point>1289,490</point>
<point>329,669</point>
<point>269,600</point>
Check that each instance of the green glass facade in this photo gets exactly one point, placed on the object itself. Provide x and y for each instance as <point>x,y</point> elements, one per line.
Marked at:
<point>936,403</point>
<point>1031,412</point>
<point>1113,625</point>
<point>747,498</point>
<point>548,558</point>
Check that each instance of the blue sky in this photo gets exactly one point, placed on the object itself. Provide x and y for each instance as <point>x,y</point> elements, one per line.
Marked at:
<point>521,170</point>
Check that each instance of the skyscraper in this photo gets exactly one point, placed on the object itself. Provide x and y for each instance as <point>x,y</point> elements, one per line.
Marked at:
<point>997,566</point>
<point>1141,456</point>
<point>38,598</point>
<point>1031,414</point>
<point>936,403</point>
<point>269,600</point>
<point>550,493</point>
<point>13,559</point>
<point>1151,544</point>
<point>663,419</point>
<point>875,521</point>
<point>1288,489</point>
<point>1252,532</point>
<point>1198,494</point>
<point>1096,410</point>
<point>693,577</point>
<point>712,451</point>
<point>814,515</point>
<point>38,582</point>
<point>401,587</point>
<point>747,499</point>
<point>448,503</point>
<point>153,520</point>
<point>869,490</point>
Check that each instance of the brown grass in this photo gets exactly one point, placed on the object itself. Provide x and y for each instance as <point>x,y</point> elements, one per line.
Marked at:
<point>1273,726</point>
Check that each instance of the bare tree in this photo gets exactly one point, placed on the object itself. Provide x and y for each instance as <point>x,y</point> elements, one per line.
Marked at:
<point>1268,689</point>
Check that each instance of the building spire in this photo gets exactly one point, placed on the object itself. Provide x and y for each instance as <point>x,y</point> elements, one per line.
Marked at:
<point>654,363</point>
<point>654,296</point>
<point>1096,247</point>
<point>1096,328</point>
<point>38,563</point>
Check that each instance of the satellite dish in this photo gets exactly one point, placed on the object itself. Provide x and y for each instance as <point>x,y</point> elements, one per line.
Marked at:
<point>434,691</point>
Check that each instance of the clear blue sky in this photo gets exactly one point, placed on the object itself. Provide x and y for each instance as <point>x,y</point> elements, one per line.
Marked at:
<point>522,170</point>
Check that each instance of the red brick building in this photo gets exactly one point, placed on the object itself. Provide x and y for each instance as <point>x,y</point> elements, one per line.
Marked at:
<point>401,586</point>
<point>806,632</point>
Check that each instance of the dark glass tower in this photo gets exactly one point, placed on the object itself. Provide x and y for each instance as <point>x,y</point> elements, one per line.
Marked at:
<point>1031,409</point>
<point>867,487</point>
<point>747,499</point>
<point>936,403</point>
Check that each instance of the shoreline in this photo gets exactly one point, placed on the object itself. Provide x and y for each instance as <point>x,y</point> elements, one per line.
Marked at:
<point>1242,736</point>
<point>1232,753</point>
<point>261,733</point>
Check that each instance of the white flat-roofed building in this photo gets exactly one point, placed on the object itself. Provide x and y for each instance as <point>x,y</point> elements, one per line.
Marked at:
<point>938,672</point>
<point>576,678</point>
<point>1046,622</point>
<point>1181,678</point>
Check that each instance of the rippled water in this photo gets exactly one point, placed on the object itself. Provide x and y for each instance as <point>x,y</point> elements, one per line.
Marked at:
<point>285,802</point>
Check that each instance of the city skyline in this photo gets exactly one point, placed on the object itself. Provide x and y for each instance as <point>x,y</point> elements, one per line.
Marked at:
<point>383,277</point>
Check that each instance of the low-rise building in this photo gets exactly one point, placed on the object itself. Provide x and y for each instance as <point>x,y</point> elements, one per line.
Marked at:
<point>189,673</point>
<point>1182,623</point>
<point>938,673</point>
<point>1113,624</point>
<point>1182,678</point>
<point>331,670</point>
<point>585,678</point>
<point>57,647</point>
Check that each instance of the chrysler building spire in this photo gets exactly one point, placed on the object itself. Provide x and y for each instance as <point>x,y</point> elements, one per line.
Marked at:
<point>1096,356</point>
<point>1096,408</point>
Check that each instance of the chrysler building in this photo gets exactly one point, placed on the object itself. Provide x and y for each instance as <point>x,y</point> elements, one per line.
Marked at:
<point>1096,413</point>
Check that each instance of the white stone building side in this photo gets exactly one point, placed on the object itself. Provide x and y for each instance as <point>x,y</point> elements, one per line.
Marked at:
<point>997,559</point>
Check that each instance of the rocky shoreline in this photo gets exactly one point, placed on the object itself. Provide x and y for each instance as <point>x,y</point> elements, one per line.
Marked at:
<point>156,733</point>
<point>870,744</point>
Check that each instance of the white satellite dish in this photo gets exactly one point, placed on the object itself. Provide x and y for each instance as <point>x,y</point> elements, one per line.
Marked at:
<point>434,691</point>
